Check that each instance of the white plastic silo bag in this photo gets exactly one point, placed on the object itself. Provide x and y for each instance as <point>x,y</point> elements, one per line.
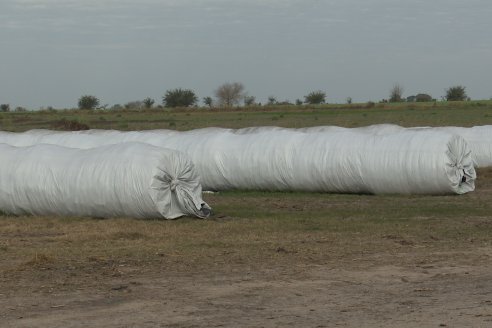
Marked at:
<point>128,179</point>
<point>422,161</point>
<point>480,140</point>
<point>344,161</point>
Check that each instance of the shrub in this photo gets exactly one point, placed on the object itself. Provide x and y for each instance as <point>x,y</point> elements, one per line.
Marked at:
<point>456,93</point>
<point>148,102</point>
<point>179,98</point>
<point>5,107</point>
<point>396,93</point>
<point>208,101</point>
<point>272,100</point>
<point>230,94</point>
<point>249,100</point>
<point>69,125</point>
<point>315,98</point>
<point>88,102</point>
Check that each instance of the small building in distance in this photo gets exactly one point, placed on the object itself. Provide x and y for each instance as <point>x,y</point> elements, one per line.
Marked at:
<point>421,97</point>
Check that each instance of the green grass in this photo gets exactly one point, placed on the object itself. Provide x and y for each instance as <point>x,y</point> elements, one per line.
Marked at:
<point>405,114</point>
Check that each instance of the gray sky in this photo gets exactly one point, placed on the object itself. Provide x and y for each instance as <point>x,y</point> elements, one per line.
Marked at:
<point>54,51</point>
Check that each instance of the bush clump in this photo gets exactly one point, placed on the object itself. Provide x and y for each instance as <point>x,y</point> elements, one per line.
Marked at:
<point>69,125</point>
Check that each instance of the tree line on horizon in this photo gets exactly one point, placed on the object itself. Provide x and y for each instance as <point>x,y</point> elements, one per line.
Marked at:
<point>226,95</point>
<point>233,94</point>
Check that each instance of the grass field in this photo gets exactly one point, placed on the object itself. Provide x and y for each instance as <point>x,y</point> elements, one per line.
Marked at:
<point>255,229</point>
<point>265,258</point>
<point>415,114</point>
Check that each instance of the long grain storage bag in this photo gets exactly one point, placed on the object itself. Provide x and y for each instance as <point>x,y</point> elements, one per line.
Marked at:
<point>128,179</point>
<point>343,161</point>
<point>479,138</point>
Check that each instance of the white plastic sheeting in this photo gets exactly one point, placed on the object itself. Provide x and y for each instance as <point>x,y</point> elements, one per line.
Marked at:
<point>479,138</point>
<point>129,179</point>
<point>409,162</point>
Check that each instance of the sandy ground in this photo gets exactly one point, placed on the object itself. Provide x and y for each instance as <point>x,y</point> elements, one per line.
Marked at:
<point>456,292</point>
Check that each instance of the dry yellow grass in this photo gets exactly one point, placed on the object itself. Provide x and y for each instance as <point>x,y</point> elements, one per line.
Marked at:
<point>250,229</point>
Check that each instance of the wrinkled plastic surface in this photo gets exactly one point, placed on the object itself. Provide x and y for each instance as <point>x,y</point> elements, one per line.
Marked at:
<point>128,179</point>
<point>479,138</point>
<point>424,161</point>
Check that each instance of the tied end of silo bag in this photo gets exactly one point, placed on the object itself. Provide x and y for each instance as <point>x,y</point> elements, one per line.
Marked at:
<point>460,167</point>
<point>176,188</point>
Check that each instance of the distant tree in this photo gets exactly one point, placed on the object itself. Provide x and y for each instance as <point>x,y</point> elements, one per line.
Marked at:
<point>20,109</point>
<point>230,94</point>
<point>208,101</point>
<point>148,102</point>
<point>315,98</point>
<point>456,93</point>
<point>396,93</point>
<point>5,107</point>
<point>423,97</point>
<point>298,102</point>
<point>88,102</point>
<point>249,100</point>
<point>348,100</point>
<point>272,100</point>
<point>179,98</point>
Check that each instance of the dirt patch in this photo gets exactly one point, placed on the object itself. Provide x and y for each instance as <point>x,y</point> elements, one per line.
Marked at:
<point>361,294</point>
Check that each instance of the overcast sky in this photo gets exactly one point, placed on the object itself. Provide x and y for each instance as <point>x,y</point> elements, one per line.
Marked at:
<point>54,51</point>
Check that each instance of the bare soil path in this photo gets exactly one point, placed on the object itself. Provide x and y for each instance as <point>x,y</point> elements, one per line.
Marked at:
<point>456,292</point>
